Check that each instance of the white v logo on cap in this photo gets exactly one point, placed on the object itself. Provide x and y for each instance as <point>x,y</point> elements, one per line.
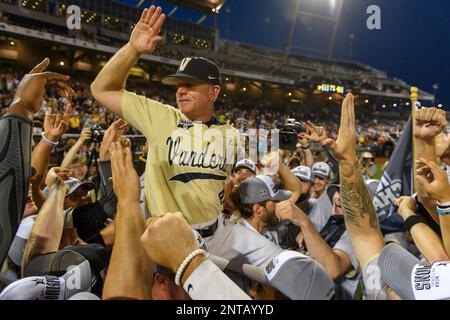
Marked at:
<point>184,64</point>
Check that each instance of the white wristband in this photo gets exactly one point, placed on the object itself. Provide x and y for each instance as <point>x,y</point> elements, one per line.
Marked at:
<point>444,204</point>
<point>48,141</point>
<point>185,263</point>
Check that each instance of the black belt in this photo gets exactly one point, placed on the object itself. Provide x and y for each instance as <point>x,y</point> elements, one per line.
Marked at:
<point>208,231</point>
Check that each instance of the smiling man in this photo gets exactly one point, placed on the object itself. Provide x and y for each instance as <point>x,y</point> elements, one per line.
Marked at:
<point>190,153</point>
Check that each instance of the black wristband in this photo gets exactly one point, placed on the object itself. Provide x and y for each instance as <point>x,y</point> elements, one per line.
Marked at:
<point>304,148</point>
<point>413,220</point>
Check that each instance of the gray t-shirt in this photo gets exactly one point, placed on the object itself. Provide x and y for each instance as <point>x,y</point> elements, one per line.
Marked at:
<point>375,287</point>
<point>320,211</point>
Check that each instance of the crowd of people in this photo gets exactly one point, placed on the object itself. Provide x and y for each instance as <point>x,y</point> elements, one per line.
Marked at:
<point>83,218</point>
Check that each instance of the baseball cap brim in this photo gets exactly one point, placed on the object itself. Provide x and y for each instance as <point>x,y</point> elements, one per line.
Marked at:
<point>282,195</point>
<point>320,175</point>
<point>174,79</point>
<point>304,179</point>
<point>54,263</point>
<point>16,250</point>
<point>245,167</point>
<point>396,266</point>
<point>87,185</point>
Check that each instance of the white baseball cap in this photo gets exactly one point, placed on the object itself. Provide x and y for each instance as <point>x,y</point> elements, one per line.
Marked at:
<point>411,279</point>
<point>77,279</point>
<point>321,170</point>
<point>245,163</point>
<point>303,173</point>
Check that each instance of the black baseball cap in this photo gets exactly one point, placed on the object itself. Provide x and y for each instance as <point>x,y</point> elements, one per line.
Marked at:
<point>196,68</point>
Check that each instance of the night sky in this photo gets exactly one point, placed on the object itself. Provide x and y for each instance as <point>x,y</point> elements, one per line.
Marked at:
<point>413,43</point>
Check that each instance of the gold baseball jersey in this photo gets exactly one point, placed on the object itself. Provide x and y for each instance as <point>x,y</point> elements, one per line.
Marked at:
<point>188,163</point>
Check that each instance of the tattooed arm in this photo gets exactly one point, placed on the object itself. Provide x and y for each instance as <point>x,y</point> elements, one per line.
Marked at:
<point>428,124</point>
<point>359,213</point>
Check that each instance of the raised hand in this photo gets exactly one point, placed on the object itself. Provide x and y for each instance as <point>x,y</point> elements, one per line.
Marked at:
<point>55,125</point>
<point>113,134</point>
<point>31,89</point>
<point>56,175</point>
<point>145,34</point>
<point>315,133</point>
<point>126,182</point>
<point>433,180</point>
<point>344,148</point>
<point>85,135</point>
<point>429,122</point>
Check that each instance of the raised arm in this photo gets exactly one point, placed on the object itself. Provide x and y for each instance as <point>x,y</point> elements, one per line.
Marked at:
<point>426,240</point>
<point>335,262</point>
<point>47,230</point>
<point>108,199</point>
<point>429,123</point>
<point>273,163</point>
<point>15,141</point>
<point>359,213</point>
<point>130,270</point>
<point>85,135</point>
<point>54,127</point>
<point>107,87</point>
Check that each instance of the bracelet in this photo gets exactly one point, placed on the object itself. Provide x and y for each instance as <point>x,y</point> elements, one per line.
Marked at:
<point>304,148</point>
<point>443,212</point>
<point>185,263</point>
<point>411,221</point>
<point>48,142</point>
<point>443,205</point>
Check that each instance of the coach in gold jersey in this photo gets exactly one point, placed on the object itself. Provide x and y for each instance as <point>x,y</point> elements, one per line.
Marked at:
<point>190,154</point>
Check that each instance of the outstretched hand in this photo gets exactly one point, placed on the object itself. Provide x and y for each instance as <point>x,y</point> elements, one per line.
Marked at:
<point>31,89</point>
<point>125,179</point>
<point>344,148</point>
<point>145,34</point>
<point>55,125</point>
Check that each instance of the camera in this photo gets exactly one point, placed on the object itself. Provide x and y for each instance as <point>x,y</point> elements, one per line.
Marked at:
<point>97,133</point>
<point>288,134</point>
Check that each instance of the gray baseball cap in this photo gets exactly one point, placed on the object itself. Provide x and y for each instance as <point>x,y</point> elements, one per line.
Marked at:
<point>259,189</point>
<point>321,170</point>
<point>77,279</point>
<point>411,279</point>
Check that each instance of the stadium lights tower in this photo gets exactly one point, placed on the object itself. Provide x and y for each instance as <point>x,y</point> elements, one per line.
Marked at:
<point>336,6</point>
